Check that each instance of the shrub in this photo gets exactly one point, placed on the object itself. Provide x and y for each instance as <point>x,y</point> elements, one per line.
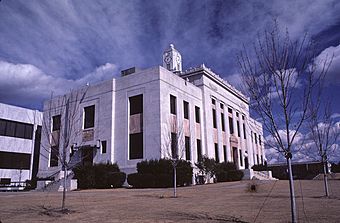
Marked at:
<point>206,166</point>
<point>335,168</point>
<point>225,166</point>
<point>85,176</point>
<point>164,180</point>
<point>184,173</point>
<point>141,180</point>
<point>222,176</point>
<point>116,179</point>
<point>162,174</point>
<point>99,176</point>
<point>235,175</point>
<point>31,184</point>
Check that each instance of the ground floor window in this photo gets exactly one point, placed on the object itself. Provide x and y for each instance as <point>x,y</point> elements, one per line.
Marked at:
<point>199,150</point>
<point>10,160</point>
<point>54,156</point>
<point>187,148</point>
<point>136,146</point>
<point>217,158</point>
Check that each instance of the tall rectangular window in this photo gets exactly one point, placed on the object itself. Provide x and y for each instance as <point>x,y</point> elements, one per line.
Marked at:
<point>187,148</point>
<point>214,118</point>
<point>255,137</point>
<point>56,122</point>
<point>199,150</point>
<point>136,146</point>
<point>197,114</point>
<point>260,141</point>
<point>238,128</point>
<point>241,158</point>
<point>222,122</point>
<point>136,104</point>
<point>103,147</point>
<point>231,125</point>
<point>174,151</point>
<point>89,117</point>
<point>173,106</point>
<point>136,138</point>
<point>186,109</point>
<point>257,159</point>
<point>244,131</point>
<point>217,158</point>
<point>225,153</point>
<point>213,101</point>
<point>54,156</point>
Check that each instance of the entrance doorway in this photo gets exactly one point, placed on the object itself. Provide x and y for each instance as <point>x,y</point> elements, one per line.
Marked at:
<point>246,163</point>
<point>87,156</point>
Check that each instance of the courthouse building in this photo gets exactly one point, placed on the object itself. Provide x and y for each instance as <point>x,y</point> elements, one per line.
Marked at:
<point>143,113</point>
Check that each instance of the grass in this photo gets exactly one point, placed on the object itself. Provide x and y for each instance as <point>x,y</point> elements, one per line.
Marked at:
<point>222,202</point>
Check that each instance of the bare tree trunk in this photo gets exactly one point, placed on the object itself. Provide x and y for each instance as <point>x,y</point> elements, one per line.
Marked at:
<point>64,189</point>
<point>175,183</point>
<point>325,180</point>
<point>64,154</point>
<point>292,193</point>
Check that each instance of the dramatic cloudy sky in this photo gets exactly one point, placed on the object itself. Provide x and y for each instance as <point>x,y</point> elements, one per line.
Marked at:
<point>57,45</point>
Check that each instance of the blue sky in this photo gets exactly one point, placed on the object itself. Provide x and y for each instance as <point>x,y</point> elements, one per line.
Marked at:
<point>56,45</point>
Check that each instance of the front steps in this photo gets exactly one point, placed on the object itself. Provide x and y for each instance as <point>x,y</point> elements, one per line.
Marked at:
<point>250,174</point>
<point>56,182</point>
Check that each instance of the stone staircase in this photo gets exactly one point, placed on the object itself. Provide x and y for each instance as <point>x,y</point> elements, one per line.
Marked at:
<point>55,182</point>
<point>250,174</point>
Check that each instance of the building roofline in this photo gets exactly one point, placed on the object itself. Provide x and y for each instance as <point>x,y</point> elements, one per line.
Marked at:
<point>217,79</point>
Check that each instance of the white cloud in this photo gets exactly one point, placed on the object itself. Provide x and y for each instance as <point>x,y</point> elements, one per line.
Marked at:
<point>335,115</point>
<point>333,75</point>
<point>303,148</point>
<point>25,82</point>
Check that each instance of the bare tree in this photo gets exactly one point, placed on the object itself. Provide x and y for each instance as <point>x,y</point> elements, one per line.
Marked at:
<point>324,134</point>
<point>173,146</point>
<point>62,126</point>
<point>280,81</point>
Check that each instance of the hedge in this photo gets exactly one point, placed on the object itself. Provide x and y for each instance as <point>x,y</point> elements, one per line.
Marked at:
<point>99,176</point>
<point>232,175</point>
<point>159,173</point>
<point>141,180</point>
<point>227,172</point>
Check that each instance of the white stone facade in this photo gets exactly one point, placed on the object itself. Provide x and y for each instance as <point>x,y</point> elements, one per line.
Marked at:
<point>122,126</point>
<point>18,132</point>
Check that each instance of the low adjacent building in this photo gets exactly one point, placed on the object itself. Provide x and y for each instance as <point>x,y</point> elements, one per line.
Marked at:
<point>20,133</point>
